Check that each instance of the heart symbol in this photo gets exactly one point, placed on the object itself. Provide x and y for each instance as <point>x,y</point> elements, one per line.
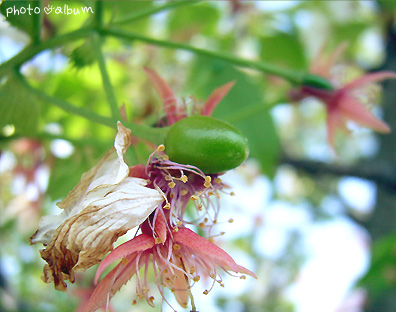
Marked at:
<point>48,10</point>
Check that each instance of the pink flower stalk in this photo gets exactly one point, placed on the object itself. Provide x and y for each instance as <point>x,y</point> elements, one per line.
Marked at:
<point>178,263</point>
<point>341,102</point>
<point>175,111</point>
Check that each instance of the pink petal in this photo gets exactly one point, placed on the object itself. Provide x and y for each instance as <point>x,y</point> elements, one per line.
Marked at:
<point>215,97</point>
<point>100,295</point>
<point>352,109</point>
<point>332,123</point>
<point>160,225</point>
<point>110,284</point>
<point>322,63</point>
<point>139,243</point>
<point>166,94</point>
<point>138,171</point>
<point>192,240</point>
<point>370,78</point>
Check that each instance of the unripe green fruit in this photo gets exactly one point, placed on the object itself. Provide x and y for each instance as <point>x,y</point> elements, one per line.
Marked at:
<point>208,143</point>
<point>318,82</point>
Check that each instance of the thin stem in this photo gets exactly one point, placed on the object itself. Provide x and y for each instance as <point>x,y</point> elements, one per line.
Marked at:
<point>31,50</point>
<point>153,135</point>
<point>111,98</point>
<point>98,14</point>
<point>37,23</point>
<point>292,76</point>
<point>151,11</point>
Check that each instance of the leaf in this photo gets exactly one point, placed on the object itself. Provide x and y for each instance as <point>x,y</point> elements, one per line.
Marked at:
<point>283,49</point>
<point>240,108</point>
<point>19,107</point>
<point>83,55</point>
<point>13,12</point>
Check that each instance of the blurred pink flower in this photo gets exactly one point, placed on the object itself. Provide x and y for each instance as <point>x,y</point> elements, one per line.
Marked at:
<point>341,102</point>
<point>173,110</point>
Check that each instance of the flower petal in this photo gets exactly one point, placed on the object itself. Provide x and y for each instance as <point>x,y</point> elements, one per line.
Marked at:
<point>166,94</point>
<point>110,171</point>
<point>139,243</point>
<point>199,244</point>
<point>352,109</point>
<point>215,97</point>
<point>370,78</point>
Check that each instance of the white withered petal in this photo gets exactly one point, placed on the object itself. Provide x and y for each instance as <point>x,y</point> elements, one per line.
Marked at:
<point>104,205</point>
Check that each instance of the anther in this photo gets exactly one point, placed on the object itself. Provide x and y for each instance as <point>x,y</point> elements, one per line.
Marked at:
<point>179,223</point>
<point>184,192</point>
<point>196,278</point>
<point>231,220</point>
<point>134,302</point>
<point>172,195</point>
<point>214,221</point>
<point>206,220</point>
<point>171,184</point>
<point>158,240</point>
<point>124,261</point>
<point>199,207</point>
<point>165,157</point>
<point>208,179</point>
<point>151,299</point>
<point>210,193</point>
<point>232,194</point>
<point>243,277</point>
<point>192,270</point>
<point>175,229</point>
<point>205,292</point>
<point>201,225</point>
<point>184,179</point>
<point>218,180</point>
<point>176,247</point>
<point>168,178</point>
<point>161,148</point>
<point>167,206</point>
<point>193,197</point>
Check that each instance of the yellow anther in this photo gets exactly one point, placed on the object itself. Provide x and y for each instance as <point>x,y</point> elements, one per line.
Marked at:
<point>208,179</point>
<point>166,157</point>
<point>167,206</point>
<point>192,270</point>
<point>207,184</point>
<point>151,299</point>
<point>214,221</point>
<point>168,178</point>
<point>210,193</point>
<point>218,180</point>
<point>212,275</point>
<point>184,179</point>
<point>172,195</point>
<point>205,292</point>
<point>161,148</point>
<point>171,184</point>
<point>134,302</point>
<point>158,240</point>
<point>206,220</point>
<point>179,223</point>
<point>196,278</point>
<point>243,277</point>
<point>176,247</point>
<point>184,192</point>
<point>175,229</point>
<point>218,195</point>
<point>201,225</point>
<point>199,207</point>
<point>222,233</point>
<point>165,271</point>
<point>231,220</point>
<point>124,261</point>
<point>193,197</point>
<point>232,194</point>
<point>146,290</point>
<point>211,239</point>
<point>222,285</point>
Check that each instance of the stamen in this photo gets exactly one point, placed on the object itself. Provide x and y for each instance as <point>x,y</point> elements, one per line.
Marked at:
<point>167,206</point>
<point>243,277</point>
<point>151,299</point>
<point>166,157</point>
<point>232,194</point>
<point>134,302</point>
<point>161,148</point>
<point>231,220</point>
<point>171,184</point>
<point>176,247</point>
<point>208,179</point>
<point>184,192</point>
<point>184,178</point>
<point>196,278</point>
<point>205,292</point>
<point>193,197</point>
<point>218,180</point>
<point>158,240</point>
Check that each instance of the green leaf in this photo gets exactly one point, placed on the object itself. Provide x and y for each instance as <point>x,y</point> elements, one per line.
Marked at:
<point>382,273</point>
<point>19,107</point>
<point>186,20</point>
<point>83,55</point>
<point>244,107</point>
<point>284,50</point>
<point>22,15</point>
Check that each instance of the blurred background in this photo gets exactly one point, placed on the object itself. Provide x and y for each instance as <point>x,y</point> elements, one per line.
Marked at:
<point>318,229</point>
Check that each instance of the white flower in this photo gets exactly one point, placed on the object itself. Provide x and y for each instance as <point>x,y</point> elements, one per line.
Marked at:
<point>104,205</point>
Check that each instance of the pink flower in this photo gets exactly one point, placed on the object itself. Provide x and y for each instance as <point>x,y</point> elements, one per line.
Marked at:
<point>341,102</point>
<point>178,263</point>
<point>175,111</point>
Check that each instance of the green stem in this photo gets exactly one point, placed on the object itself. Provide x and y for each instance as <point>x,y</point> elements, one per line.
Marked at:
<point>31,50</point>
<point>98,14</point>
<point>292,76</point>
<point>153,135</point>
<point>111,98</point>
<point>151,11</point>
<point>37,23</point>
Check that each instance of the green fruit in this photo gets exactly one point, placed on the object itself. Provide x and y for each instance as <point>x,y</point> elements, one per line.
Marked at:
<point>318,82</point>
<point>208,143</point>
